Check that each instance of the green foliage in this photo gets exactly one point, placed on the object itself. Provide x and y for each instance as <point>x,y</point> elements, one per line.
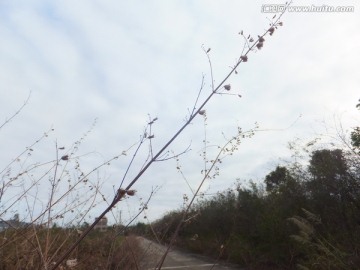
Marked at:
<point>355,135</point>
<point>355,138</point>
<point>304,219</point>
<point>277,178</point>
<point>328,165</point>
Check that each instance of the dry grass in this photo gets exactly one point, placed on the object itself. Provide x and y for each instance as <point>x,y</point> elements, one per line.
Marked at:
<point>100,250</point>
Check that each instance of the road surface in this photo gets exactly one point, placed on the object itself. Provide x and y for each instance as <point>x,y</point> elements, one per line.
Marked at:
<point>152,253</point>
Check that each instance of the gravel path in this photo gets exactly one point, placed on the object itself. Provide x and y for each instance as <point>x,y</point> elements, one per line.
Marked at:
<point>152,253</point>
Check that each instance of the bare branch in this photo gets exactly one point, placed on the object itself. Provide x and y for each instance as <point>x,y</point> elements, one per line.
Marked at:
<point>17,112</point>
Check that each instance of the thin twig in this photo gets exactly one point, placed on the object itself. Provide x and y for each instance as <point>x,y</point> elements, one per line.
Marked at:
<point>198,96</point>
<point>132,160</point>
<point>17,112</point>
<point>175,155</point>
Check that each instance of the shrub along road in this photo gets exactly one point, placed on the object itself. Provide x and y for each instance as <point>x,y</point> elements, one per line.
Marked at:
<point>152,253</point>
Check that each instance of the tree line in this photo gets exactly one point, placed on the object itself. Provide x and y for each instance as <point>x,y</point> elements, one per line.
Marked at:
<point>304,215</point>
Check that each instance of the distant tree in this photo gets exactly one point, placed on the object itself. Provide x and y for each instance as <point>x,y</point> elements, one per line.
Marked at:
<point>334,195</point>
<point>328,169</point>
<point>140,228</point>
<point>281,180</point>
<point>276,178</point>
<point>286,190</point>
<point>355,138</point>
<point>355,135</point>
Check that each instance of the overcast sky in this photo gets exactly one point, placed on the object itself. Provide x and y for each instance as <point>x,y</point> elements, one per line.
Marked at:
<point>121,61</point>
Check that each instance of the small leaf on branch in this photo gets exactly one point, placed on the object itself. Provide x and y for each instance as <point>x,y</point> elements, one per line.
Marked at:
<point>227,87</point>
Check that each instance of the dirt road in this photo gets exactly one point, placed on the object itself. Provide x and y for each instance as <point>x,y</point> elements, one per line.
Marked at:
<point>175,259</point>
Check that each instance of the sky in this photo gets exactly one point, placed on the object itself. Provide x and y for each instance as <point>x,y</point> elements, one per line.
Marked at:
<point>96,71</point>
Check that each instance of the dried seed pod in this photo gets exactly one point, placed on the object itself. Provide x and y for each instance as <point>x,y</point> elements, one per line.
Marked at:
<point>261,39</point>
<point>271,30</point>
<point>244,58</point>
<point>121,192</point>
<point>259,45</point>
<point>202,112</point>
<point>66,157</point>
<point>227,87</point>
<point>131,192</point>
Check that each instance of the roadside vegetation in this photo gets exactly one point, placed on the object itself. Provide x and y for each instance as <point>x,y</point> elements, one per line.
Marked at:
<point>34,247</point>
<point>303,215</point>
